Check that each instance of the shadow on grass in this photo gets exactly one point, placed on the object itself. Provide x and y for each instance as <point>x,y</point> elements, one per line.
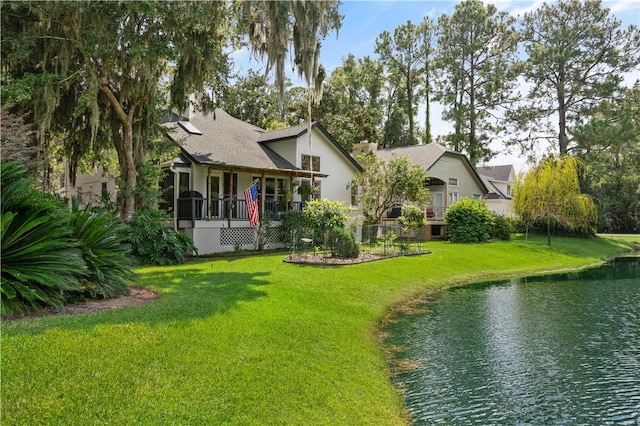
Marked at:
<point>185,295</point>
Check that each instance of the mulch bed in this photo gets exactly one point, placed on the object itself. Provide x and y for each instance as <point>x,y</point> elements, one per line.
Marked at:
<point>320,259</point>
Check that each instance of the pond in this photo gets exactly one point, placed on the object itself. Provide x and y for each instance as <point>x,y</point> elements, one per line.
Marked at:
<point>560,349</point>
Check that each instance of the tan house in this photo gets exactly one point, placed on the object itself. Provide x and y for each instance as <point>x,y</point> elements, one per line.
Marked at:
<point>500,181</point>
<point>222,156</point>
<point>450,177</point>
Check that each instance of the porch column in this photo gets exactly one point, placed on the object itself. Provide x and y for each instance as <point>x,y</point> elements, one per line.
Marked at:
<point>262,193</point>
<point>208,193</point>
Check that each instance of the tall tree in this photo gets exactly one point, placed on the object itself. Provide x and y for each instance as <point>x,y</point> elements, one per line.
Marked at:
<point>351,105</point>
<point>403,57</point>
<point>253,99</point>
<point>609,144</point>
<point>97,69</point>
<point>577,53</point>
<point>428,34</point>
<point>551,192</point>
<point>476,49</point>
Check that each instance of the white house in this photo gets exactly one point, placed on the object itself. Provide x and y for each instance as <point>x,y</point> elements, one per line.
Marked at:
<point>500,181</point>
<point>450,177</point>
<point>221,156</point>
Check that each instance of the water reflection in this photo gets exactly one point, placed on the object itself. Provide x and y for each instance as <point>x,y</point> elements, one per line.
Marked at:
<point>563,349</point>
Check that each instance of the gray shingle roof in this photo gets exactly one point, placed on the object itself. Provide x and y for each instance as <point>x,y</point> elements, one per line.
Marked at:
<point>225,140</point>
<point>424,155</point>
<point>496,172</point>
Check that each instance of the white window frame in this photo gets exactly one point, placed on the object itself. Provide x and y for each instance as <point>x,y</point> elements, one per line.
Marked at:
<point>454,197</point>
<point>456,180</point>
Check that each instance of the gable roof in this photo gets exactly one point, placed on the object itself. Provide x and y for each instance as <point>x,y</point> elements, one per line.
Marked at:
<point>502,173</point>
<point>424,155</point>
<point>220,139</point>
<point>301,129</point>
<point>427,155</point>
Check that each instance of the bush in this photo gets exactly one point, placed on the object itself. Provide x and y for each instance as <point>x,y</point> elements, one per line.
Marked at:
<point>102,238</point>
<point>153,243</point>
<point>502,228</point>
<point>294,222</point>
<point>40,259</point>
<point>469,221</point>
<point>343,244</point>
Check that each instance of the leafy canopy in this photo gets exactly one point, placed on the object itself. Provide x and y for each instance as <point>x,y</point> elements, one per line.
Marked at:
<point>385,184</point>
<point>551,191</point>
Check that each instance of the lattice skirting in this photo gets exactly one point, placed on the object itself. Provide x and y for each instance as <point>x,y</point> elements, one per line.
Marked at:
<point>237,236</point>
<point>247,236</point>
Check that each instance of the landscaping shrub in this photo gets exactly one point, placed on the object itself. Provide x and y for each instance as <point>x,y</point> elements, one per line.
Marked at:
<point>153,243</point>
<point>343,244</point>
<point>40,259</point>
<point>102,238</point>
<point>502,228</point>
<point>469,221</point>
<point>294,222</point>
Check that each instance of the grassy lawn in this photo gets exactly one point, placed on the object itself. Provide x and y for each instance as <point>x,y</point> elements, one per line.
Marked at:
<point>248,341</point>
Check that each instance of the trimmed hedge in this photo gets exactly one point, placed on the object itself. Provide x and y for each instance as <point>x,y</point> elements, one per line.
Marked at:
<point>469,221</point>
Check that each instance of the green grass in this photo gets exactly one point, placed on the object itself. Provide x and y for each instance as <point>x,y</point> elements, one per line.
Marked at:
<point>248,341</point>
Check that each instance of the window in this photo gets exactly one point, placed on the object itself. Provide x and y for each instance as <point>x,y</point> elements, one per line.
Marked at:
<point>508,190</point>
<point>183,184</point>
<point>105,191</point>
<point>453,181</point>
<point>354,195</point>
<point>477,197</point>
<point>453,197</point>
<point>315,163</point>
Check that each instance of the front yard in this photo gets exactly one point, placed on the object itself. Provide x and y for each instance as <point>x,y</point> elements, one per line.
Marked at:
<point>247,340</point>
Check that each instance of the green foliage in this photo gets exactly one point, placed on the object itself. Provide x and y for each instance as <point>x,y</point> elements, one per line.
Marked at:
<point>388,183</point>
<point>609,144</point>
<point>294,223</point>
<point>412,217</point>
<point>343,243</point>
<point>469,221</point>
<point>40,259</point>
<point>577,53</point>
<point>477,47</point>
<point>108,257</point>
<point>324,215</point>
<point>154,243</point>
<point>502,228</point>
<point>551,192</point>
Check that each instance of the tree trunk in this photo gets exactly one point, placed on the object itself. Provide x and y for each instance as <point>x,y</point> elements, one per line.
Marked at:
<point>562,112</point>
<point>125,152</point>
<point>412,139</point>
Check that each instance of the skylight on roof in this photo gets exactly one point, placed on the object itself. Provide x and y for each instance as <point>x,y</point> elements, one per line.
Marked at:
<point>189,127</point>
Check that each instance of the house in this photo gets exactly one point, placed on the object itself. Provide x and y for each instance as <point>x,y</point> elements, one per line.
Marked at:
<point>221,156</point>
<point>500,181</point>
<point>450,177</point>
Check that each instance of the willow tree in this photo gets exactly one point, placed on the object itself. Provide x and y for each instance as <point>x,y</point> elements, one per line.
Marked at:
<point>95,72</point>
<point>551,192</point>
<point>476,51</point>
<point>577,53</point>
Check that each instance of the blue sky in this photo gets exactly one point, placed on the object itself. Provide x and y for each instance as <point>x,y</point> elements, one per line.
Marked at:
<point>365,20</point>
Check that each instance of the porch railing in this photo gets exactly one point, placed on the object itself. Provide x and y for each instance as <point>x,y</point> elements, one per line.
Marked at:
<point>435,212</point>
<point>196,208</point>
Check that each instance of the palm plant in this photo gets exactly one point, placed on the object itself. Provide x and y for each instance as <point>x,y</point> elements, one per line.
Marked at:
<point>40,259</point>
<point>102,238</point>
